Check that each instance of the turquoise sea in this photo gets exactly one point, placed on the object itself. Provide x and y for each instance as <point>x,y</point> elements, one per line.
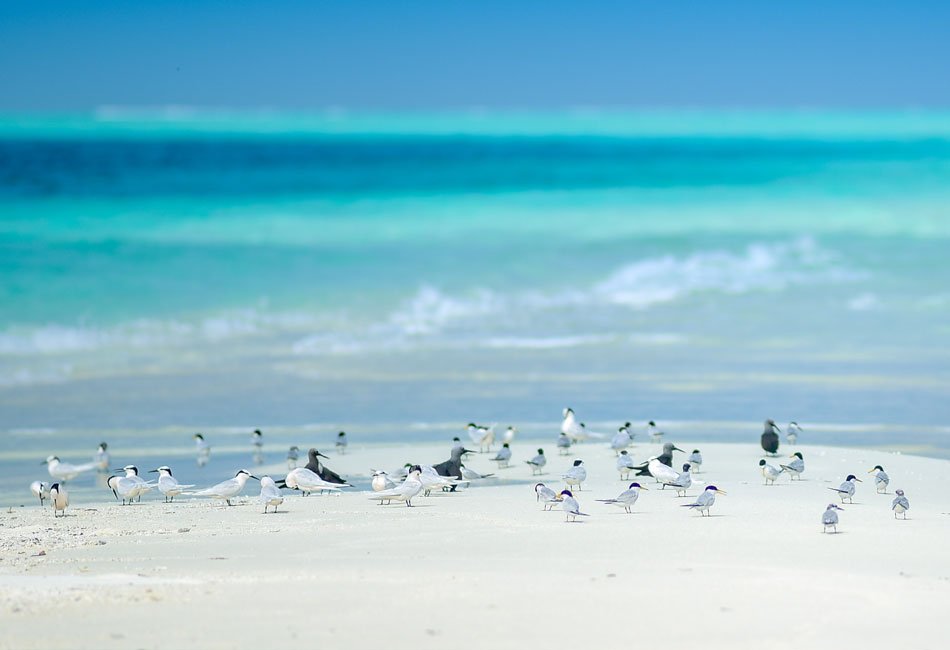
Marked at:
<point>163,272</point>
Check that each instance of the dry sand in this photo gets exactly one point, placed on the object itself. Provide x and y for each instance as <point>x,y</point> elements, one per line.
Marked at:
<point>487,567</point>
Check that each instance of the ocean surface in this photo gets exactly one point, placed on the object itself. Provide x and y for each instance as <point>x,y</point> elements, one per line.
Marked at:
<point>164,272</point>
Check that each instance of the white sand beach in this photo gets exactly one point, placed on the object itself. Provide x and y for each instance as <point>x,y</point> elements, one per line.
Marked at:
<point>487,567</point>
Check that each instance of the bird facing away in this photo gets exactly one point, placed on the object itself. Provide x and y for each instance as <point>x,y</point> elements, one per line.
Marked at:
<point>695,460</point>
<point>293,455</point>
<point>570,506</point>
<point>621,439</point>
<point>770,437</point>
<point>576,475</point>
<point>58,498</point>
<point>563,444</point>
<point>881,479</point>
<point>900,505</point>
<point>705,500</point>
<point>682,482</point>
<point>791,432</point>
<point>830,518</point>
<point>102,458</point>
<point>795,467</point>
<point>627,498</point>
<point>202,450</point>
<point>503,457</point>
<point>846,489</point>
<point>770,472</point>
<point>537,463</point>
<point>270,494</point>
<point>625,465</point>
<point>341,442</point>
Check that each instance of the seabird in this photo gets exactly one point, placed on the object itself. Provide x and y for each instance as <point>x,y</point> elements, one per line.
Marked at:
<point>503,457</point>
<point>168,485</point>
<point>270,494</point>
<point>102,458</point>
<point>770,437</point>
<point>625,465</point>
<point>881,479</point>
<point>59,498</point>
<point>226,490</point>
<point>770,472</point>
<point>381,481</point>
<point>546,495</point>
<point>563,444</point>
<point>123,487</point>
<point>132,473</point>
<point>293,454</point>
<point>509,434</point>
<point>341,442</point>
<point>570,506</point>
<point>404,491</point>
<point>482,436</point>
<point>537,463</point>
<point>621,439</point>
<point>695,460</point>
<point>705,500</point>
<point>682,482</point>
<point>40,490</point>
<point>655,434</point>
<point>257,439</point>
<point>453,466</point>
<point>203,450</point>
<point>795,467</point>
<point>570,427</point>
<point>318,468</point>
<point>627,498</point>
<point>846,489</point>
<point>308,481</point>
<point>791,432</point>
<point>666,458</point>
<point>900,505</point>
<point>576,475</point>
<point>63,472</point>
<point>830,518</point>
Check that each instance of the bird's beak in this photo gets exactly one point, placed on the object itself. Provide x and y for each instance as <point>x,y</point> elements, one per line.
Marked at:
<point>321,455</point>
<point>677,449</point>
<point>42,462</point>
<point>858,480</point>
<point>869,471</point>
<point>467,451</point>
<point>644,488</point>
<point>254,477</point>
<point>153,471</point>
<point>121,469</point>
<point>723,492</point>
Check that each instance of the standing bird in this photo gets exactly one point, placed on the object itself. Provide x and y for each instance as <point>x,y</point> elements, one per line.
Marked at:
<point>576,475</point>
<point>846,489</point>
<point>627,498</point>
<point>654,466</point>
<point>695,460</point>
<point>482,436</point>
<point>682,482</point>
<point>503,457</point>
<point>509,435</point>
<point>141,485</point>
<point>795,467</point>
<point>791,432</point>
<point>63,472</point>
<point>570,427</point>
<point>102,458</point>
<point>59,498</point>
<point>40,490</point>
<point>537,463</point>
<point>257,445</point>
<point>570,506</point>
<point>341,442</point>
<point>168,485</point>
<point>655,434</point>
<point>457,443</point>
<point>881,479</point>
<point>546,495</point>
<point>404,491</point>
<point>308,482</point>
<point>202,450</point>
<point>227,490</point>
<point>900,505</point>
<point>770,472</point>
<point>625,465</point>
<point>124,488</point>
<point>321,470</point>
<point>770,437</point>
<point>381,481</point>
<point>705,500</point>
<point>563,444</point>
<point>830,518</point>
<point>453,467</point>
<point>270,494</point>
<point>293,455</point>
<point>621,440</point>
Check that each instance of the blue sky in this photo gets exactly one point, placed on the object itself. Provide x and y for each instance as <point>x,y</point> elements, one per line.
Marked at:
<point>66,56</point>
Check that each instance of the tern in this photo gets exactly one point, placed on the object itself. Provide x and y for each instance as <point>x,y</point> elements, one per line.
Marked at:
<point>509,435</point>
<point>625,465</point>
<point>570,427</point>
<point>546,495</point>
<point>695,460</point>
<point>142,486</point>
<point>576,475</point>
<point>226,490</point>
<point>257,439</point>
<point>627,498</point>
<point>452,467</point>
<point>570,506</point>
<point>537,463</point>
<point>321,470</point>
<point>293,455</point>
<point>472,475</point>
<point>102,458</point>
<point>482,436</point>
<point>40,490</point>
<point>881,479</point>
<point>900,505</point>
<point>705,500</point>
<point>795,467</point>
<point>503,457</point>
<point>59,498</point>
<point>168,485</point>
<point>830,518</point>
<point>682,483</point>
<point>655,434</point>
<point>846,489</point>
<point>381,481</point>
<point>341,442</point>
<point>270,494</point>
<point>308,482</point>
<point>791,432</point>
<point>431,480</point>
<point>405,491</point>
<point>770,472</point>
<point>202,449</point>
<point>666,458</point>
<point>770,437</point>
<point>124,488</point>
<point>63,472</point>
<point>563,444</point>
<point>621,439</point>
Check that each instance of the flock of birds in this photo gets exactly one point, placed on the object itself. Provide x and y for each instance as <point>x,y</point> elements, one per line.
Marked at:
<point>405,483</point>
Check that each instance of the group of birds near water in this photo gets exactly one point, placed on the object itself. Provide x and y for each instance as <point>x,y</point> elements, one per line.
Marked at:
<point>405,483</point>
